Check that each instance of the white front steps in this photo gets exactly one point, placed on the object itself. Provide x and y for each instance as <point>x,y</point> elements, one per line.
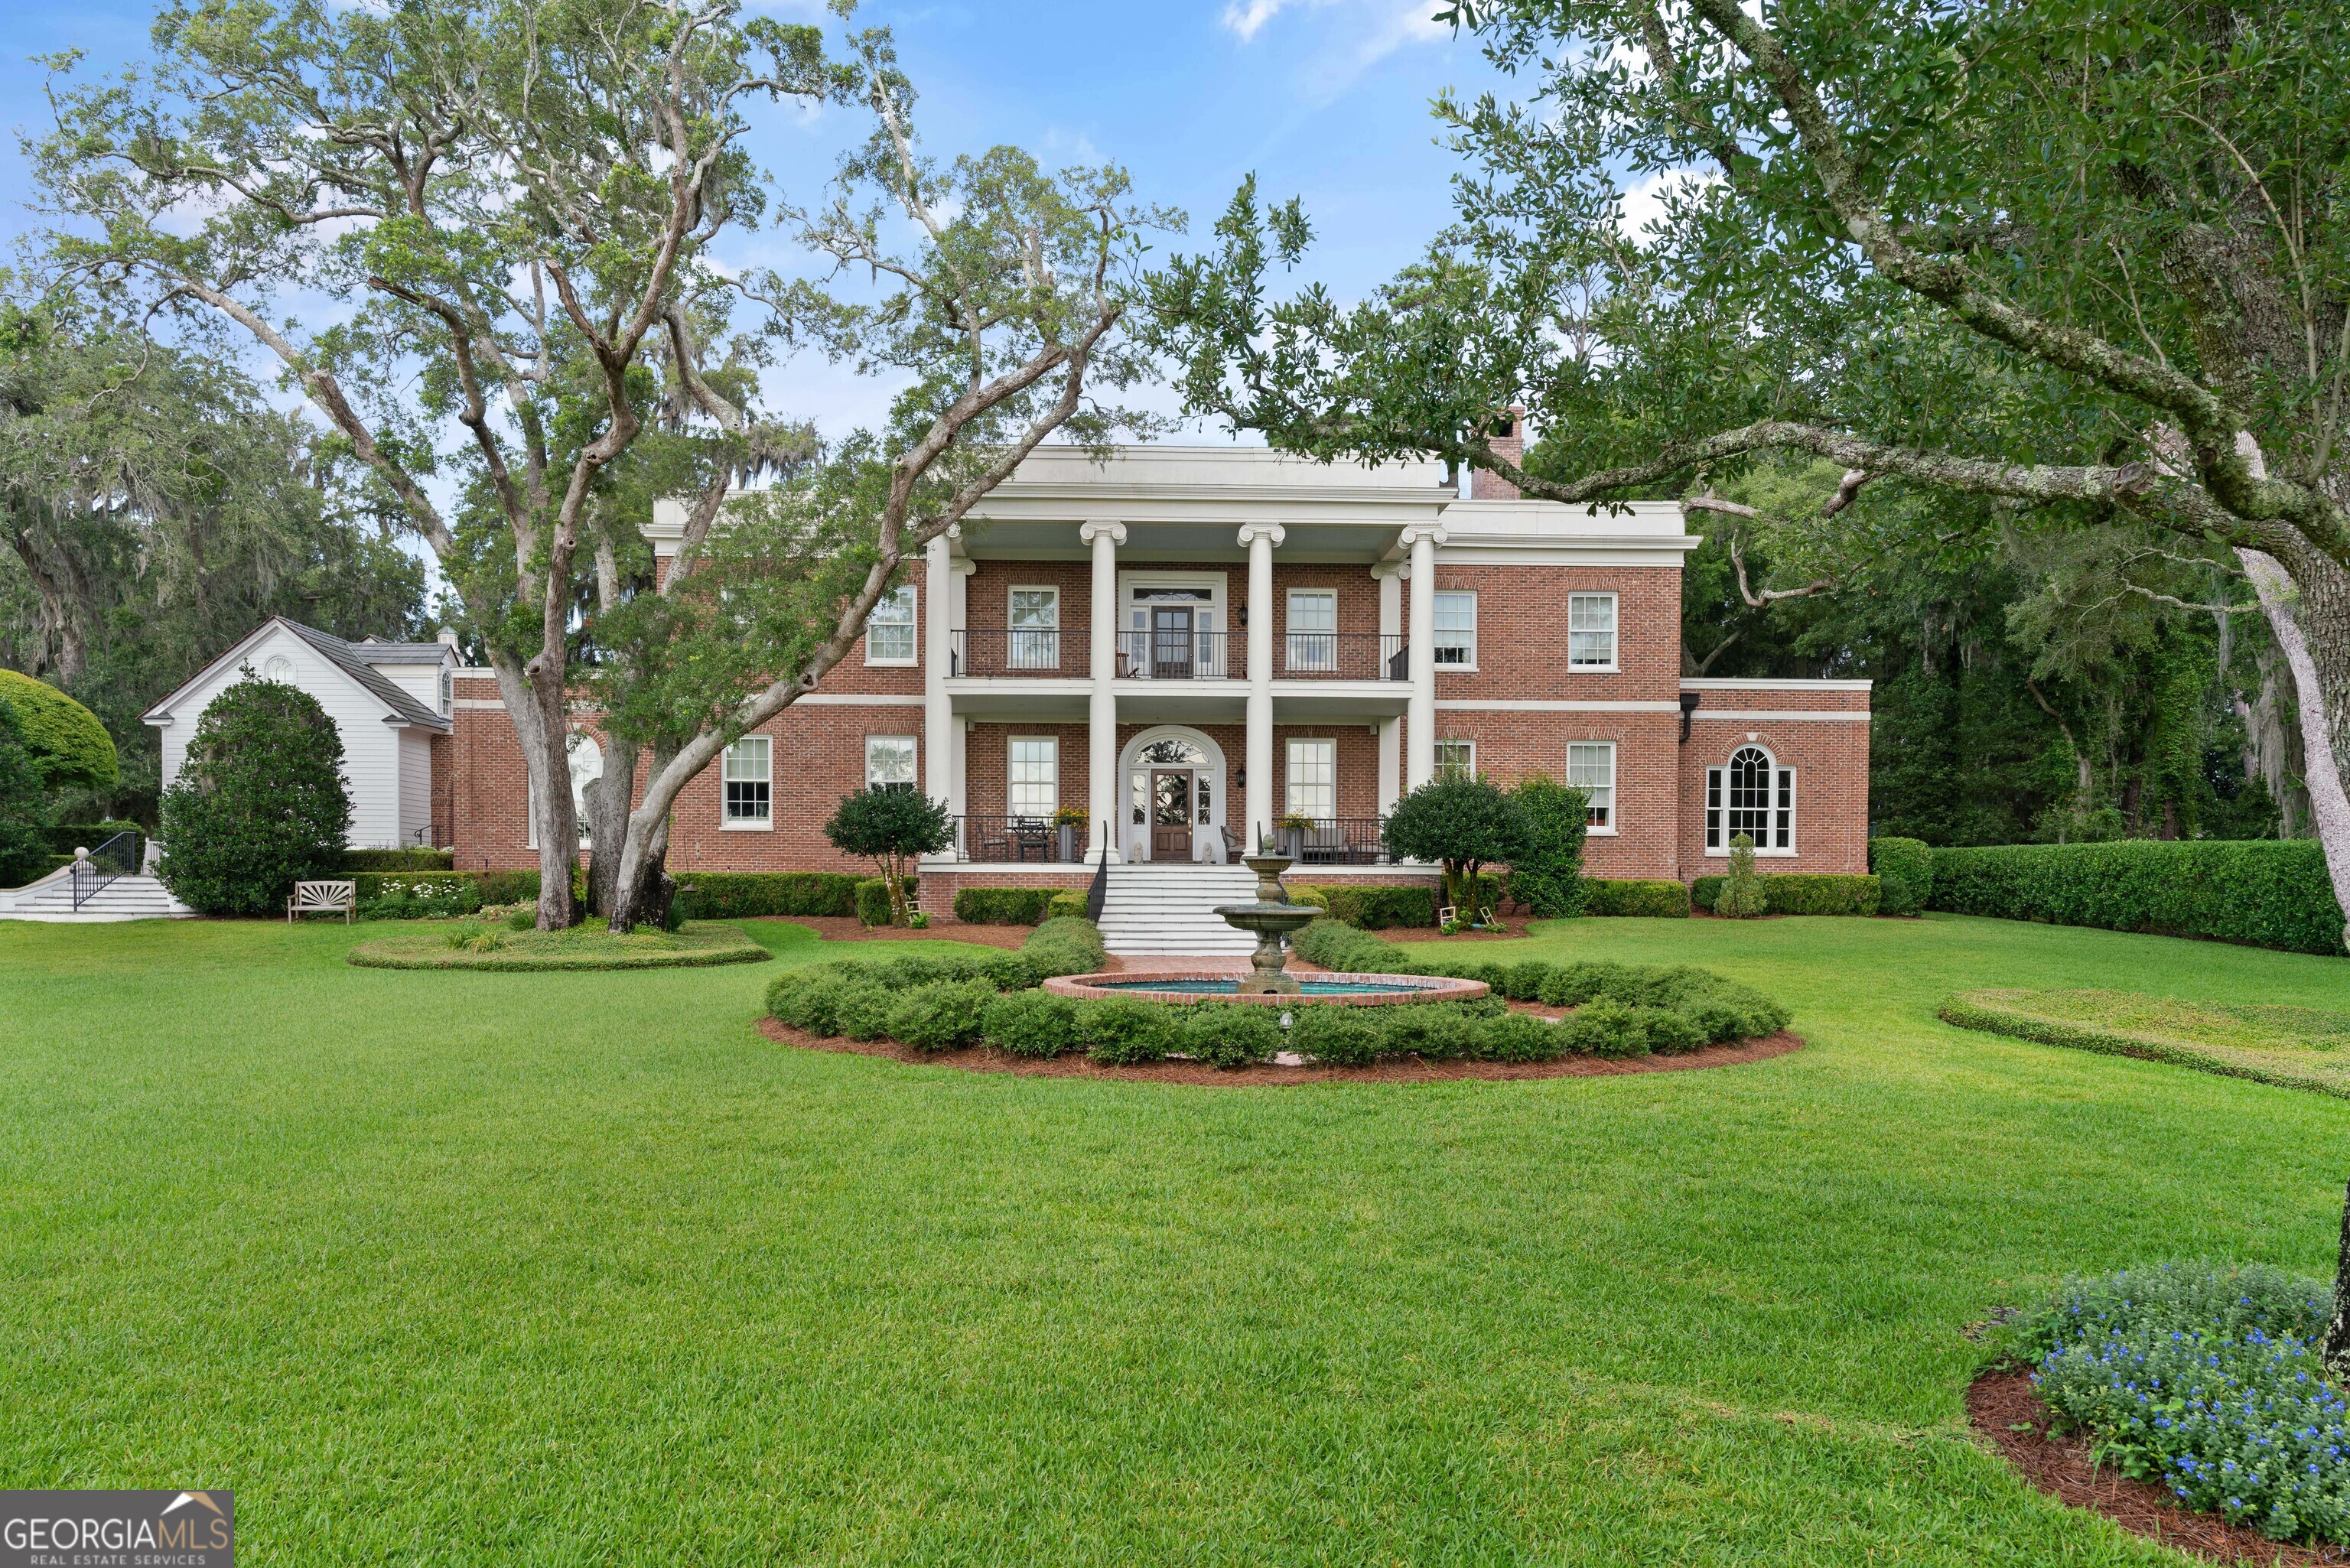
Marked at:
<point>1171,909</point>
<point>124,898</point>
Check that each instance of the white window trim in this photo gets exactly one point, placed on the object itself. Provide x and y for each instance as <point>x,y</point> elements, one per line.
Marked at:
<point>913,744</point>
<point>1615,637</point>
<point>1011,631</point>
<point>1614,802</point>
<point>1288,631</point>
<point>1476,617</point>
<point>748,823</point>
<point>1289,773</point>
<point>1011,741</point>
<point>1716,771</point>
<point>1437,768</point>
<point>914,594</point>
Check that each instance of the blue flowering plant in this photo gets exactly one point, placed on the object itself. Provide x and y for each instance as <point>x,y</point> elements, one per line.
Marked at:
<point>2205,1379</point>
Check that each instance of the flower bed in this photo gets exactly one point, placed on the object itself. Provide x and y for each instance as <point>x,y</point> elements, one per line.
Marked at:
<point>2205,1380</point>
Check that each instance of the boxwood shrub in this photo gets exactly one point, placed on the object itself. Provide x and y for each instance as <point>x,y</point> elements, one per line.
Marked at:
<point>872,899</point>
<point>1905,874</point>
<point>1224,1035</point>
<point>1334,944</point>
<point>1066,944</point>
<point>1004,906</point>
<point>1801,893</point>
<point>941,1015</point>
<point>1123,1031</point>
<point>739,895</point>
<point>1622,896</point>
<point>1029,1023</point>
<point>1066,905</point>
<point>398,860</point>
<point>2261,892</point>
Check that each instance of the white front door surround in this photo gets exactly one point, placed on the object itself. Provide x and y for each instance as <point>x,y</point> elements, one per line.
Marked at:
<point>1171,749</point>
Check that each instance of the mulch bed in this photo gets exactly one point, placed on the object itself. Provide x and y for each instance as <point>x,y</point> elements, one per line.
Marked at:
<point>2000,1402</point>
<point>849,928</point>
<point>1410,1070</point>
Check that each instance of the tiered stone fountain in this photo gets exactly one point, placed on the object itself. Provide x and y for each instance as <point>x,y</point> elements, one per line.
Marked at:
<point>1272,917</point>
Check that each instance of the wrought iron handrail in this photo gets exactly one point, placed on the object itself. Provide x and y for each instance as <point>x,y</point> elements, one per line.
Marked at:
<point>97,870</point>
<point>997,838</point>
<point>1333,840</point>
<point>1342,656</point>
<point>1098,891</point>
<point>1004,650</point>
<point>1177,655</point>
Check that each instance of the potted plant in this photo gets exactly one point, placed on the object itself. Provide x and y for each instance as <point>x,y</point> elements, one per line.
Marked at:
<point>1069,825</point>
<point>1294,829</point>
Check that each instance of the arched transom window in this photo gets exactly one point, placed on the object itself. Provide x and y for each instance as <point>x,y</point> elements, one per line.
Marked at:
<point>1750,795</point>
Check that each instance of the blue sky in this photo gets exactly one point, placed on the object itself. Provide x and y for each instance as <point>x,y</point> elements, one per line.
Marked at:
<point>1323,99</point>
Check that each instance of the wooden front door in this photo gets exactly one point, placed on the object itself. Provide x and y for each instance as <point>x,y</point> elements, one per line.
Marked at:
<point>1171,642</point>
<point>1170,814</point>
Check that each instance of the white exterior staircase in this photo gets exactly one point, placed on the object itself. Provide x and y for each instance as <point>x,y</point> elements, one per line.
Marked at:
<point>1151,910</point>
<point>133,897</point>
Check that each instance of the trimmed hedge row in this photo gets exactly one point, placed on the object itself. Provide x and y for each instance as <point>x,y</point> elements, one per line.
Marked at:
<point>2261,892</point>
<point>1005,906</point>
<point>1630,897</point>
<point>871,903</point>
<point>1905,874</point>
<point>1377,908</point>
<point>396,860</point>
<point>1801,893</point>
<point>1975,1010</point>
<point>738,894</point>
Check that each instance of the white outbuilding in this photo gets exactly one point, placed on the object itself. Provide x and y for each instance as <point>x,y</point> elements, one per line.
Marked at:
<point>391,700</point>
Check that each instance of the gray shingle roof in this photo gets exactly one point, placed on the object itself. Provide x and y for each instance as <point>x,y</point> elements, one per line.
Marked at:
<point>357,661</point>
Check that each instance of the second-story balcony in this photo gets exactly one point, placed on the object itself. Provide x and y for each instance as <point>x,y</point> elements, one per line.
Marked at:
<point>1181,653</point>
<point>1015,651</point>
<point>1340,656</point>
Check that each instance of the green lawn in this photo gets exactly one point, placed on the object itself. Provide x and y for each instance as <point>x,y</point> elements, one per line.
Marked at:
<point>449,1268</point>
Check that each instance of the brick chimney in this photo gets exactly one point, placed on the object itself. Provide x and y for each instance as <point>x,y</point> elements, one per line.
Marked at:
<point>1508,440</point>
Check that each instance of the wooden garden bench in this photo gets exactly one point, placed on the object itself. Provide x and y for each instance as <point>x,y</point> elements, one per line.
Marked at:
<point>323,898</point>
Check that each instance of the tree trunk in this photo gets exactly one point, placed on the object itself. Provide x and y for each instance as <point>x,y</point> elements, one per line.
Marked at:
<point>2309,612</point>
<point>2336,1353</point>
<point>2272,744</point>
<point>545,737</point>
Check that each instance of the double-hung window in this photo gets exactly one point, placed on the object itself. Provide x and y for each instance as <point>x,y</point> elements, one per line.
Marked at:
<point>1591,768</point>
<point>889,762</point>
<point>1456,759</point>
<point>1455,629</point>
<point>749,774</point>
<point>1035,634</point>
<point>1033,781</point>
<point>1313,630</point>
<point>1752,796</point>
<point>889,629</point>
<point>1311,783</point>
<point>1591,631</point>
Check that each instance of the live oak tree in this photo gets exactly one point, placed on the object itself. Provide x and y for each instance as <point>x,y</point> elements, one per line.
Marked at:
<point>1462,824</point>
<point>2083,261</point>
<point>889,825</point>
<point>503,221</point>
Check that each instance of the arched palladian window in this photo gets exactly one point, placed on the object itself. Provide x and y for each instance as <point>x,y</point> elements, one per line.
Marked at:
<point>1753,796</point>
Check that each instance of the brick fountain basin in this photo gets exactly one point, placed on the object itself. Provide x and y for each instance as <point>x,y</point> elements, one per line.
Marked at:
<point>1344,990</point>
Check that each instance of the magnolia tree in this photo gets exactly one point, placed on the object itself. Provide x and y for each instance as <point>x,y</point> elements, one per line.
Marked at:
<point>482,241</point>
<point>2083,263</point>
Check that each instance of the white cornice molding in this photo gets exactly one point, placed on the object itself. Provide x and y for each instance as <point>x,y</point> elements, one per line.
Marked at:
<point>1759,683</point>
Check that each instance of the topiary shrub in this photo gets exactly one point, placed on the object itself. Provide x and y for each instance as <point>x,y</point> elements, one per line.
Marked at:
<point>1461,823</point>
<point>889,826</point>
<point>1067,944</point>
<point>1307,897</point>
<point>874,905</point>
<point>23,843</point>
<point>1065,906</point>
<point>1905,874</point>
<point>941,1016</point>
<point>68,746</point>
<point>1030,1023</point>
<point>1004,906</point>
<point>2264,892</point>
<point>1741,896</point>
<point>1515,1037</point>
<point>260,804</point>
<point>1230,1035</point>
<point>1123,1031</point>
<point>1548,875</point>
<point>1334,944</point>
<point>1635,898</point>
<point>1336,1036</point>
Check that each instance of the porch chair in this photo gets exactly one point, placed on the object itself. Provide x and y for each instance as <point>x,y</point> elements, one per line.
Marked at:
<point>323,898</point>
<point>1032,838</point>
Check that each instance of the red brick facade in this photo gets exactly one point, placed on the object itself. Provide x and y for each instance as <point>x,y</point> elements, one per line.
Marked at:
<point>1520,704</point>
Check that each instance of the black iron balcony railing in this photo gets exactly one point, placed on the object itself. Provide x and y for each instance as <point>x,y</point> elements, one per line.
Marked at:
<point>1342,656</point>
<point>1333,840</point>
<point>1014,650</point>
<point>1176,654</point>
<point>1000,840</point>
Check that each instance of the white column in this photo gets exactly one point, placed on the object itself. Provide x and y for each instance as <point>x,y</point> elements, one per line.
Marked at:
<point>938,709</point>
<point>1390,765</point>
<point>1258,539</point>
<point>1419,711</point>
<point>958,574</point>
<point>1101,703</point>
<point>1390,576</point>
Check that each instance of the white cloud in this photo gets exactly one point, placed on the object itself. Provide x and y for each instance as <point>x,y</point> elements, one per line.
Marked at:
<point>1351,35</point>
<point>1644,204</point>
